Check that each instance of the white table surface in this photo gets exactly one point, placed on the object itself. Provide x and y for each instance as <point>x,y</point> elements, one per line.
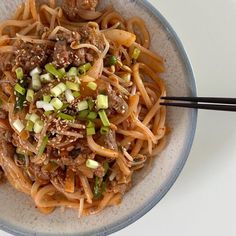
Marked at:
<point>203,200</point>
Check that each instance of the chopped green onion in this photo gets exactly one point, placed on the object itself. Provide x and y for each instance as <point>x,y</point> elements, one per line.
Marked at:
<point>103,117</point>
<point>18,125</point>
<point>69,96</point>
<point>104,130</point>
<point>73,71</point>
<point>38,126</point>
<point>82,105</point>
<point>36,83</point>
<point>34,118</point>
<point>36,70</point>
<point>19,73</point>
<point>47,113</point>
<point>106,167</point>
<point>64,116</point>
<point>50,68</point>
<point>29,126</point>
<point>62,71</point>
<point>46,78</point>
<point>46,98</point>
<point>90,124</point>
<point>83,69</point>
<point>44,105</point>
<point>65,105</point>
<point>57,103</point>
<point>91,104</point>
<point>43,146</point>
<point>72,86</point>
<point>136,53</point>
<point>27,117</point>
<point>20,99</point>
<point>30,95</point>
<point>93,86</point>
<point>58,89</point>
<point>102,101</point>
<point>76,94</point>
<point>99,188</point>
<point>83,114</point>
<point>90,131</point>
<point>92,115</point>
<point>20,89</point>
<point>112,60</point>
<point>92,164</point>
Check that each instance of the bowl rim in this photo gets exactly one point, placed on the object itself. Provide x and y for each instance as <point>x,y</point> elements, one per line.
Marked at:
<point>140,212</point>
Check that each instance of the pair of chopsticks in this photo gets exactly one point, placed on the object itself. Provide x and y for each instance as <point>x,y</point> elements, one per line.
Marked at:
<point>207,103</point>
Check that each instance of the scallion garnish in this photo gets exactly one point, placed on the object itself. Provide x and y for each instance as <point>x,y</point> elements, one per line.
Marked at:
<point>104,118</point>
<point>36,70</point>
<point>136,53</point>
<point>47,113</point>
<point>76,94</point>
<point>43,146</point>
<point>38,126</point>
<point>62,71</point>
<point>90,124</point>
<point>36,83</point>
<point>46,78</point>
<point>112,60</point>
<point>57,103</point>
<point>58,89</point>
<point>104,130</point>
<point>82,106</point>
<point>50,68</point>
<point>20,89</point>
<point>83,69</point>
<point>64,116</point>
<point>44,105</point>
<point>30,95</point>
<point>73,72</point>
<point>46,98</point>
<point>91,104</point>
<point>19,73</point>
<point>90,131</point>
<point>29,126</point>
<point>34,118</point>
<point>93,86</point>
<point>18,125</point>
<point>83,114</point>
<point>102,101</point>
<point>69,96</point>
<point>72,86</point>
<point>92,164</point>
<point>92,115</point>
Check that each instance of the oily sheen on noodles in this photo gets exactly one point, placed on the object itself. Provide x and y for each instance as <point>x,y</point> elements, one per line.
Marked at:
<point>80,103</point>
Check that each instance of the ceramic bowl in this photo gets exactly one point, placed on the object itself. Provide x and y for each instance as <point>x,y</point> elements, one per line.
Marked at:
<point>18,214</point>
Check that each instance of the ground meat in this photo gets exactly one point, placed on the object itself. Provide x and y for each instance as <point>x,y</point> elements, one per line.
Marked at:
<point>117,102</point>
<point>72,8</point>
<point>61,55</point>
<point>30,55</point>
<point>100,172</point>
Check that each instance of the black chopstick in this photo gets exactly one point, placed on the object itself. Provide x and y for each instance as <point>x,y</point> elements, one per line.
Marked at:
<point>207,103</point>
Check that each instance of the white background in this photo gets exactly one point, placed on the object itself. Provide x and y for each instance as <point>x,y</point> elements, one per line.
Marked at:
<point>203,200</point>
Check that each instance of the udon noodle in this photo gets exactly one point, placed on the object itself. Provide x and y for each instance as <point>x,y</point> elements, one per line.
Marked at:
<point>80,98</point>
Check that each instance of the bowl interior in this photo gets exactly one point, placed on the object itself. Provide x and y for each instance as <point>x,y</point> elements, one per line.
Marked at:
<point>20,216</point>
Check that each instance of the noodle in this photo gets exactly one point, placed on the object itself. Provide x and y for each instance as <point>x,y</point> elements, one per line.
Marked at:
<point>81,94</point>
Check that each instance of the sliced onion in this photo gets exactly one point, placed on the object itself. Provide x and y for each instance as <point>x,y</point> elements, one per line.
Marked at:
<point>18,125</point>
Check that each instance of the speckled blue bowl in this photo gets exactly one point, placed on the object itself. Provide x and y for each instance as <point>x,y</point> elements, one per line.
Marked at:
<point>18,214</point>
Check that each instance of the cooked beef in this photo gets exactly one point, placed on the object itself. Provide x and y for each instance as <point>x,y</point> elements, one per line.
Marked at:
<point>100,172</point>
<point>72,8</point>
<point>61,55</point>
<point>89,35</point>
<point>30,55</point>
<point>69,37</point>
<point>117,102</point>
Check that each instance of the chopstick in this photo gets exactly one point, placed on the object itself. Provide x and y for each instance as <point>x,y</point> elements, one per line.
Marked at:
<point>207,103</point>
